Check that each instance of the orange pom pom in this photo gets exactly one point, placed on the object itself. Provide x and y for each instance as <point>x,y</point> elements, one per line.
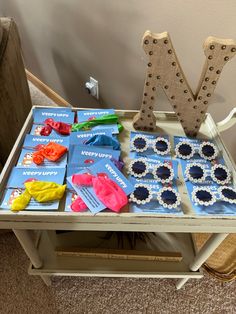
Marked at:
<point>53,151</point>
<point>38,158</point>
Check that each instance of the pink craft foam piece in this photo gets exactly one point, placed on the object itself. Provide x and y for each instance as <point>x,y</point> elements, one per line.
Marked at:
<point>82,179</point>
<point>78,205</point>
<point>109,193</point>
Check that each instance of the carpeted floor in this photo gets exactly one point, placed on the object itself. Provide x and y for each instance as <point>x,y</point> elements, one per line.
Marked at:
<point>38,98</point>
<point>20,293</point>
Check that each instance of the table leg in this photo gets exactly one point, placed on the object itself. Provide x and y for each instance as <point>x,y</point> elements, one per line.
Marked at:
<point>204,253</point>
<point>26,240</point>
<point>47,279</point>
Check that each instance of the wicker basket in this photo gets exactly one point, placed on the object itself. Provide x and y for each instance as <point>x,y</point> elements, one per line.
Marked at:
<point>222,263</point>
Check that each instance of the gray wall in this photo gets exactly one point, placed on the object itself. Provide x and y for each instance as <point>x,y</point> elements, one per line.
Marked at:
<point>65,41</point>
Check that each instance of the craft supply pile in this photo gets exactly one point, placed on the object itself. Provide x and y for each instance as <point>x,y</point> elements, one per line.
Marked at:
<point>72,161</point>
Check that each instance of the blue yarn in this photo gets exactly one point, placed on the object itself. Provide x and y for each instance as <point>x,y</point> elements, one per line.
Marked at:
<point>103,140</point>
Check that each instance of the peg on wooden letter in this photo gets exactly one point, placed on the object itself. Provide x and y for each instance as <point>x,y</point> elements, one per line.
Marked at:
<point>164,70</point>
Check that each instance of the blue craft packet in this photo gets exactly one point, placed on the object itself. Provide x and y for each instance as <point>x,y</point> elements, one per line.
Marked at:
<point>218,208</point>
<point>19,176</point>
<point>58,114</point>
<point>149,152</point>
<point>80,138</point>
<point>26,157</point>
<point>194,141</point>
<point>86,115</point>
<point>84,155</point>
<point>153,207</point>
<point>156,161</point>
<point>103,168</point>
<point>203,162</point>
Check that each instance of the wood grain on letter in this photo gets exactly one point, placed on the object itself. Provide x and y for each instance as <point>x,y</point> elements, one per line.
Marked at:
<point>164,70</point>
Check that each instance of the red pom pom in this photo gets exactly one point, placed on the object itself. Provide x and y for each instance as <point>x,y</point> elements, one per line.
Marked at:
<point>38,158</point>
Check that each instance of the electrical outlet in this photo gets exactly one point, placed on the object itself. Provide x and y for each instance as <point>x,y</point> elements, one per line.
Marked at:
<point>92,87</point>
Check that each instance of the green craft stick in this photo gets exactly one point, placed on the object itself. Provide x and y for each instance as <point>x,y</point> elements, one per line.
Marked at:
<point>120,127</point>
<point>106,119</point>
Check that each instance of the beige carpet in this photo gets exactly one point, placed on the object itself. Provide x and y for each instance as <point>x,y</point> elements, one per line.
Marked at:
<point>20,293</point>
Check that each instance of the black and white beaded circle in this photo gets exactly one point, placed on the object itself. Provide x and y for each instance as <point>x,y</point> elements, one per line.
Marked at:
<point>160,152</point>
<point>135,145</point>
<point>158,178</point>
<point>163,202</point>
<point>182,156</point>
<point>223,168</point>
<point>212,147</point>
<point>190,178</point>
<point>137,162</point>
<point>231,197</point>
<point>204,190</point>
<point>141,195</point>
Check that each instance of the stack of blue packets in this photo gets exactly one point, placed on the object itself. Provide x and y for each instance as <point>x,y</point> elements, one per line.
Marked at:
<point>152,158</point>
<point>19,176</point>
<point>65,115</point>
<point>83,156</point>
<point>102,168</point>
<point>86,115</point>
<point>29,147</point>
<point>25,170</point>
<point>219,207</point>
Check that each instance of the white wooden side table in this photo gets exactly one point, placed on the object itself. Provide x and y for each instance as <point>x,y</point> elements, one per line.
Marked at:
<point>40,245</point>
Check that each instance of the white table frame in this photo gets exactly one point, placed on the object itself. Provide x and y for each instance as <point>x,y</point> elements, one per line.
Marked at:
<point>23,223</point>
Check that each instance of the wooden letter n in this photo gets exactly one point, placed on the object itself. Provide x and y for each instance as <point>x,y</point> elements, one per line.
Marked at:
<point>163,69</point>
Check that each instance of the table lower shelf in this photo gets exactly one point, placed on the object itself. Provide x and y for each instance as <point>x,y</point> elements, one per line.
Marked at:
<point>63,265</point>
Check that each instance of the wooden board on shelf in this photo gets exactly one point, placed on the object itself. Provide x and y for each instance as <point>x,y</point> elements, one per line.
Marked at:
<point>120,254</point>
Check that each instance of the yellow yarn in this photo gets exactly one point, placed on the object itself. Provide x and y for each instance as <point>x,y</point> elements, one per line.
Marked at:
<point>45,191</point>
<point>41,191</point>
<point>21,201</point>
